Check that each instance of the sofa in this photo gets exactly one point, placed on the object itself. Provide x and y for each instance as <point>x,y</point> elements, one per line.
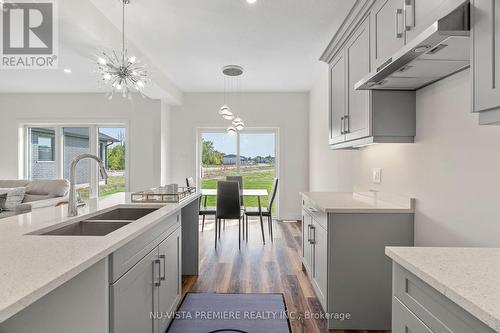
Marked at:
<point>38,194</point>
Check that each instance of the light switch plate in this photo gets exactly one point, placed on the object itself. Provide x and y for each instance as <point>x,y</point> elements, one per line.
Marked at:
<point>377,176</point>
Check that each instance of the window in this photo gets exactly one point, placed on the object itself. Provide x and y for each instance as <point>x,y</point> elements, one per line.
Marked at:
<point>50,151</point>
<point>112,152</point>
<point>251,154</point>
<point>46,148</point>
<point>41,153</point>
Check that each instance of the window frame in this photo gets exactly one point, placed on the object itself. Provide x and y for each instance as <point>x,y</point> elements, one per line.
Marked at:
<point>247,130</point>
<point>58,125</point>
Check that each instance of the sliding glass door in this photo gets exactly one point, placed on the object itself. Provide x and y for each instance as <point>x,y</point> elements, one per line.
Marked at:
<point>251,154</point>
<point>258,162</point>
<point>51,149</point>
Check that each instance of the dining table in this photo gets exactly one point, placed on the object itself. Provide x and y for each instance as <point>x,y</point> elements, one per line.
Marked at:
<point>205,192</point>
<point>245,193</point>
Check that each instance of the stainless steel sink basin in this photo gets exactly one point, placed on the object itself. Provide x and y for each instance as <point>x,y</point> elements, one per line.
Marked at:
<point>123,214</point>
<point>87,228</point>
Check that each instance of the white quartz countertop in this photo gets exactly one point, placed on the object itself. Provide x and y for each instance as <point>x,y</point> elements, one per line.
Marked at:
<point>470,277</point>
<point>31,266</point>
<point>359,202</point>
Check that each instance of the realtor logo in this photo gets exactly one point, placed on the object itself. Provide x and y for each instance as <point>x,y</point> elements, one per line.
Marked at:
<point>29,35</point>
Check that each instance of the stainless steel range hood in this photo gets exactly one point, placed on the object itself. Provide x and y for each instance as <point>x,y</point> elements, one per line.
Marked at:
<point>441,50</point>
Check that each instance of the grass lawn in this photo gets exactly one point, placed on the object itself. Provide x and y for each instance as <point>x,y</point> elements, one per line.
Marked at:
<point>115,184</point>
<point>251,180</point>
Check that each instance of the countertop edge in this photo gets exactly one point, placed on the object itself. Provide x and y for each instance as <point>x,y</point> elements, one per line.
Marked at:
<point>402,210</point>
<point>482,315</point>
<point>28,299</point>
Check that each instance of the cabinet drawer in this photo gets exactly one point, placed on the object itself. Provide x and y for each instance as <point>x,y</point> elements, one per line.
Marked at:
<point>131,253</point>
<point>438,312</point>
<point>403,321</point>
<point>315,212</point>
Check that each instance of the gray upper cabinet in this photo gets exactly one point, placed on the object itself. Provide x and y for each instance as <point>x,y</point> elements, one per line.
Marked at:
<point>337,100</point>
<point>420,14</point>
<point>357,54</point>
<point>388,32</point>
<point>485,59</point>
<point>361,117</point>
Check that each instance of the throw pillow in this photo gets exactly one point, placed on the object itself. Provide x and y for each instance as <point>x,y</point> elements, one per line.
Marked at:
<point>14,197</point>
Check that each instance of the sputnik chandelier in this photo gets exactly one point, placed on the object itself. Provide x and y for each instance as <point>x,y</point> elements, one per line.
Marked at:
<point>124,74</point>
<point>232,76</point>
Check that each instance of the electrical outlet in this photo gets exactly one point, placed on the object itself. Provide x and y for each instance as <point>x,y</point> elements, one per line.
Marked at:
<point>377,176</point>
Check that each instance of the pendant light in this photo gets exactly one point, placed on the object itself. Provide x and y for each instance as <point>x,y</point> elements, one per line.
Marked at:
<point>122,73</point>
<point>231,75</point>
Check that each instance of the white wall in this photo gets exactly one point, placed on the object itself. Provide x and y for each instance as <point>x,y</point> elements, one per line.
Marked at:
<point>453,169</point>
<point>287,111</point>
<point>143,115</point>
<point>328,170</point>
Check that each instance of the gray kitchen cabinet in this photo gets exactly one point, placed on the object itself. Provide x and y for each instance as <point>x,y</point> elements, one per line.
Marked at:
<point>388,32</point>
<point>485,65</point>
<point>319,242</point>
<point>417,307</point>
<point>362,117</point>
<point>420,14</point>
<point>404,321</point>
<point>314,250</point>
<point>143,298</point>
<point>169,291</point>
<point>132,298</point>
<point>357,55</point>
<point>337,99</point>
<point>343,256</point>
<point>306,241</point>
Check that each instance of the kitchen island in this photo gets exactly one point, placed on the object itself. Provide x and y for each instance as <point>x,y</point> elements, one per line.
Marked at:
<point>51,283</point>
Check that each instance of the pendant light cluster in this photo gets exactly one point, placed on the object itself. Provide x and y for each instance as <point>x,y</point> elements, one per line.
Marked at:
<point>124,74</point>
<point>232,79</point>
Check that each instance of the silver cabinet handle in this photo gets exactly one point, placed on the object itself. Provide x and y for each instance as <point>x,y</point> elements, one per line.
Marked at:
<point>155,262</point>
<point>309,233</point>
<point>409,14</point>
<point>164,277</point>
<point>342,125</point>
<point>398,13</point>
<point>347,124</point>
<point>313,240</point>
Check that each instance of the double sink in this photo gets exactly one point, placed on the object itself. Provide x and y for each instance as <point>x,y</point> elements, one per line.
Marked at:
<point>102,224</point>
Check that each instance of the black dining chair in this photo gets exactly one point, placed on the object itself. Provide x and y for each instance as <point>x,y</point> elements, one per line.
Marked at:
<point>239,180</point>
<point>228,207</point>
<point>204,210</point>
<point>266,211</point>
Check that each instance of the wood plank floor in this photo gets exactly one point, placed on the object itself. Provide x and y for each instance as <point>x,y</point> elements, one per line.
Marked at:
<point>257,268</point>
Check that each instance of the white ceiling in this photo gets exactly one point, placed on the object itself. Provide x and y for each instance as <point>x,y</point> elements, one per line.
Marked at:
<point>278,43</point>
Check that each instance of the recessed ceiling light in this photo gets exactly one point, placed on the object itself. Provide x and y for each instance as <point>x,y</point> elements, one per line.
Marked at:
<point>252,1</point>
<point>67,71</point>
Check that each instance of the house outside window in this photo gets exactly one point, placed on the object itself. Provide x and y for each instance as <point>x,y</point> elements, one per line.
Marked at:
<point>50,151</point>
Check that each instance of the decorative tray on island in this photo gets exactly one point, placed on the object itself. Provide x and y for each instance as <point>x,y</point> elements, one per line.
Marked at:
<point>163,194</point>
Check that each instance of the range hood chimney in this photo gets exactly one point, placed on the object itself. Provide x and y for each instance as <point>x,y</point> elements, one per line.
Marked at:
<point>440,51</point>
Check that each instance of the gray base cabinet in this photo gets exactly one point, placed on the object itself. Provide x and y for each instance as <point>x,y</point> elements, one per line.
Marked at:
<point>343,256</point>
<point>314,252</point>
<point>417,307</point>
<point>144,297</point>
